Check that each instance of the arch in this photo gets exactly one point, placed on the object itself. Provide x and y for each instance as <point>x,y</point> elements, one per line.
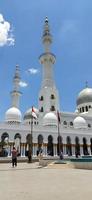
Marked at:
<point>59,145</point>
<point>17,141</point>
<point>40,143</point>
<point>17,135</point>
<point>91,145</point>
<point>82,109</point>
<point>77,147</point>
<point>4,145</point>
<point>28,144</point>
<point>4,136</point>
<point>86,108</point>
<point>50,145</point>
<point>85,148</point>
<point>68,146</point>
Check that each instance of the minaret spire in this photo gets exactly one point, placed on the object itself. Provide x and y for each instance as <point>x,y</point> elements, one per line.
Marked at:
<point>46,38</point>
<point>15,94</point>
<point>48,97</point>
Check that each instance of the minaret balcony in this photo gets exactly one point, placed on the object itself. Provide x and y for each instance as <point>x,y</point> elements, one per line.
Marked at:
<point>16,92</point>
<point>47,57</point>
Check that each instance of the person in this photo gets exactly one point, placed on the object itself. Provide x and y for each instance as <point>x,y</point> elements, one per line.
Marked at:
<point>40,155</point>
<point>61,155</point>
<point>29,156</point>
<point>14,157</point>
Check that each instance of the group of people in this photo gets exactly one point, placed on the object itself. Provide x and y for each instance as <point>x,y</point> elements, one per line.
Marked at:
<point>39,154</point>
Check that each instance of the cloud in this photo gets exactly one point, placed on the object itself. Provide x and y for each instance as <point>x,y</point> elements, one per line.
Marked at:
<point>6,36</point>
<point>32,71</point>
<point>69,27</point>
<point>23,84</point>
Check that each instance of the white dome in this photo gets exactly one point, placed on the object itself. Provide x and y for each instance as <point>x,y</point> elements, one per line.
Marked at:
<point>13,114</point>
<point>79,123</point>
<point>85,96</point>
<point>50,119</point>
<point>28,113</point>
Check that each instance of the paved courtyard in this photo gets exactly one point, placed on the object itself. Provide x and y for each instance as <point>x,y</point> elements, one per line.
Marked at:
<point>29,182</point>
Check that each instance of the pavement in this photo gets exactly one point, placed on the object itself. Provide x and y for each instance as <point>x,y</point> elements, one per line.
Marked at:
<point>54,182</point>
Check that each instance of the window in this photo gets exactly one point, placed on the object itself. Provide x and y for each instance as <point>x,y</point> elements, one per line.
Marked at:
<point>52,96</point>
<point>65,123</point>
<point>89,125</point>
<point>86,108</point>
<point>82,109</point>
<point>71,123</point>
<point>41,110</point>
<point>41,98</point>
<point>52,108</point>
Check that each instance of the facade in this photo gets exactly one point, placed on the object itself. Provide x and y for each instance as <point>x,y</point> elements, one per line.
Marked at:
<point>52,131</point>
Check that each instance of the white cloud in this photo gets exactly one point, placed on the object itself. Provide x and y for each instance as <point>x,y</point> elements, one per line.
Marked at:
<point>32,71</point>
<point>23,84</point>
<point>6,36</point>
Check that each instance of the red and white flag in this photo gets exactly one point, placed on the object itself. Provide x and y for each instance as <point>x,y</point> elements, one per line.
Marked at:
<point>58,116</point>
<point>34,113</point>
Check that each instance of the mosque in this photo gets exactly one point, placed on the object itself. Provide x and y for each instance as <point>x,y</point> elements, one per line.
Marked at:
<point>52,130</point>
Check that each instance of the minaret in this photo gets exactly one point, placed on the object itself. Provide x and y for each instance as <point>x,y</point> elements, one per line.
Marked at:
<point>48,97</point>
<point>15,94</point>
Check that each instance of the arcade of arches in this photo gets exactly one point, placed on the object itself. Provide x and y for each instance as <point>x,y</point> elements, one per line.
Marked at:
<point>49,148</point>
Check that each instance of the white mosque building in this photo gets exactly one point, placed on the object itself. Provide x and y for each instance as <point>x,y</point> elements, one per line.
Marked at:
<point>72,133</point>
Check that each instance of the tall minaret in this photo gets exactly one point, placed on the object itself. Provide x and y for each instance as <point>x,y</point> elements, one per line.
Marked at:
<point>48,96</point>
<point>15,94</point>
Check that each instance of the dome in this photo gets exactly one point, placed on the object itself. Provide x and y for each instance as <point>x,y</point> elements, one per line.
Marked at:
<point>84,96</point>
<point>13,114</point>
<point>50,119</point>
<point>28,113</point>
<point>79,122</point>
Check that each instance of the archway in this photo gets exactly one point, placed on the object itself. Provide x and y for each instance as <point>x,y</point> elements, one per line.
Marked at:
<point>4,144</point>
<point>85,148</point>
<point>50,145</point>
<point>77,147</point>
<point>59,145</point>
<point>68,146</point>
<point>17,141</point>
<point>28,144</point>
<point>40,143</point>
<point>91,145</point>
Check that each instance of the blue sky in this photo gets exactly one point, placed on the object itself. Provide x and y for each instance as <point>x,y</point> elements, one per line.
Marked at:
<point>20,43</point>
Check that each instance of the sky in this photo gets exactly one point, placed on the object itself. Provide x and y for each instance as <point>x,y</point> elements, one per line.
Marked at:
<point>21,28</point>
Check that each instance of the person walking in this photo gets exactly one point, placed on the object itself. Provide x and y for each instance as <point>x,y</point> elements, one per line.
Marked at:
<point>14,157</point>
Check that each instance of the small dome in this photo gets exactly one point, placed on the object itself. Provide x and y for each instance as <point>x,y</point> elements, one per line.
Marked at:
<point>79,123</point>
<point>13,114</point>
<point>50,119</point>
<point>28,113</point>
<point>84,96</point>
